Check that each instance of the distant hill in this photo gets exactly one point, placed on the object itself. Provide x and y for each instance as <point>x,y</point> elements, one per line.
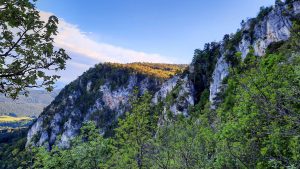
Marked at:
<point>32,105</point>
<point>8,122</point>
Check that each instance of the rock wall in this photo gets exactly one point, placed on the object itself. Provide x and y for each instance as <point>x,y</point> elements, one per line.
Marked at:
<point>274,27</point>
<point>62,120</point>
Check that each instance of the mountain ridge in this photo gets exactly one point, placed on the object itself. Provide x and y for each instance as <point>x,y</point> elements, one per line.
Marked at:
<point>32,105</point>
<point>102,93</point>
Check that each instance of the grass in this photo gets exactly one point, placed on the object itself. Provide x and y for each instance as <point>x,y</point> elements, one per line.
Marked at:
<point>5,119</point>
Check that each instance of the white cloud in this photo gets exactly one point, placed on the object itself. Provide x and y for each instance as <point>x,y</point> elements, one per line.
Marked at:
<point>79,65</point>
<point>74,40</point>
<point>86,52</point>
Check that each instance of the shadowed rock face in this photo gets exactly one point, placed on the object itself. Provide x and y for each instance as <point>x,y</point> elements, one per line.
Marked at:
<point>103,102</point>
<point>274,27</point>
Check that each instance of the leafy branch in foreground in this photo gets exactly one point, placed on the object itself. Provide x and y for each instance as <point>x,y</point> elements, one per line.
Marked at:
<point>27,53</point>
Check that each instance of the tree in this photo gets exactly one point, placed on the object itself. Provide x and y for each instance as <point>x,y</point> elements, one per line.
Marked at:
<point>279,3</point>
<point>89,150</point>
<point>28,57</point>
<point>203,63</point>
<point>259,117</point>
<point>134,133</point>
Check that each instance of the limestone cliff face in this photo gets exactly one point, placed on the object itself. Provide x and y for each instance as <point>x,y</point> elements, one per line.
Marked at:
<point>177,95</point>
<point>102,95</point>
<point>221,71</point>
<point>258,34</point>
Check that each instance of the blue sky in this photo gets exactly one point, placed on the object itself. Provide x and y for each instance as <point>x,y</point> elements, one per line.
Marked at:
<point>143,30</point>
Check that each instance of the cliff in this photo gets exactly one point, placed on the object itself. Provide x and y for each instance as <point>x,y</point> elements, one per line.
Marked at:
<point>102,95</point>
<point>272,25</point>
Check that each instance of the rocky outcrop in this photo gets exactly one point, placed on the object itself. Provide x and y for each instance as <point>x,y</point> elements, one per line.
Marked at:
<point>165,89</point>
<point>184,98</point>
<point>221,71</point>
<point>258,34</point>
<point>177,94</point>
<point>273,28</point>
<point>95,96</point>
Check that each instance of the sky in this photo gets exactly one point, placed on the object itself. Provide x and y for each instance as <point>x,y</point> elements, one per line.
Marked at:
<point>167,31</point>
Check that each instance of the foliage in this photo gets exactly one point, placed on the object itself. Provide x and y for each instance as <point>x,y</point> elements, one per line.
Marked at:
<point>233,40</point>
<point>26,48</point>
<point>260,112</point>
<point>159,70</point>
<point>89,150</point>
<point>264,11</point>
<point>290,1</point>
<point>134,133</point>
<point>181,144</point>
<point>230,44</point>
<point>274,47</point>
<point>256,117</point>
<point>203,64</point>
<point>12,150</point>
<point>173,95</point>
